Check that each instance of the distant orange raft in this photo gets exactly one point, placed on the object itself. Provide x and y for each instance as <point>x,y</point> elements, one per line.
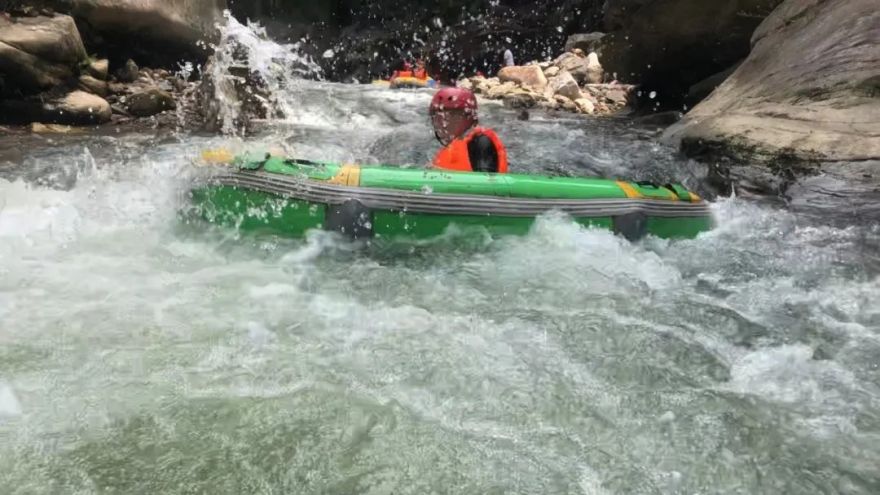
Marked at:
<point>407,82</point>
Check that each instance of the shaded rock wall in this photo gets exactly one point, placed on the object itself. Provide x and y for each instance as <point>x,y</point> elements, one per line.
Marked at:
<point>667,46</point>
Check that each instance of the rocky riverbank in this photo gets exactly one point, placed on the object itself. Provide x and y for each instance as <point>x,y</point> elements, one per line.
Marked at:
<point>69,66</point>
<point>572,82</point>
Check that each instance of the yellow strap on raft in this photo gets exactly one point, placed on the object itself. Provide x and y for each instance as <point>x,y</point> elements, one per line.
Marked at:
<point>348,175</point>
<point>629,190</point>
<point>219,156</point>
<point>633,193</point>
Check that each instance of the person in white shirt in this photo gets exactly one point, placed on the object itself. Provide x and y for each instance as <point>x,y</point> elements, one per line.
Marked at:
<point>508,58</point>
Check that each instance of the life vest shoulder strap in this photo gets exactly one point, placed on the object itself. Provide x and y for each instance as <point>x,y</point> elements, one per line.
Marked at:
<point>496,141</point>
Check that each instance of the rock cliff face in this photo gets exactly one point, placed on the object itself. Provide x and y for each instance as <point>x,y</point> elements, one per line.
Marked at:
<point>48,73</point>
<point>809,92</point>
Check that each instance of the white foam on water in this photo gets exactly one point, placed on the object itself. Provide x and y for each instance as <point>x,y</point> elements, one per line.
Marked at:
<point>790,374</point>
<point>570,257</point>
<point>10,407</point>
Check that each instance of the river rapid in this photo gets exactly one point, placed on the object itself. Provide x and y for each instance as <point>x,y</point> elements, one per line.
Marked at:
<point>140,353</point>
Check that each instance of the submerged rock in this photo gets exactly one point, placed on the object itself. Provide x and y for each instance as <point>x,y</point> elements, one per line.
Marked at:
<point>520,99</point>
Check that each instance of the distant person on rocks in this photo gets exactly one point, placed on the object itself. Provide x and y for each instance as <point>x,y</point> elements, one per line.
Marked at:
<point>466,147</point>
<point>508,58</point>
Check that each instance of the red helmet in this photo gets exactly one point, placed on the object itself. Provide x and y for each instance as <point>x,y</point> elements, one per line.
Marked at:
<point>454,99</point>
<point>453,112</point>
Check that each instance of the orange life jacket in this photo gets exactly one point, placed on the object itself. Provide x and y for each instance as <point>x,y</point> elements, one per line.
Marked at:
<point>455,155</point>
<point>420,74</point>
<point>403,73</point>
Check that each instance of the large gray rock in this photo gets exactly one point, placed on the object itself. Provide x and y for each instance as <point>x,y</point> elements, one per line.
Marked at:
<point>37,53</point>
<point>585,69</point>
<point>807,93</point>
<point>147,25</point>
<point>564,84</point>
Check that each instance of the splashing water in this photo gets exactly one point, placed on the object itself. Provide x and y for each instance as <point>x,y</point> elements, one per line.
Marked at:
<point>245,61</point>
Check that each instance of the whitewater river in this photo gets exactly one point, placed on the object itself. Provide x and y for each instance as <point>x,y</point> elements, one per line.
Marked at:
<point>143,354</point>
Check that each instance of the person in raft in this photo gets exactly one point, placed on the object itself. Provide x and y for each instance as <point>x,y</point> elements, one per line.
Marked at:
<point>420,72</point>
<point>466,147</point>
<point>407,71</point>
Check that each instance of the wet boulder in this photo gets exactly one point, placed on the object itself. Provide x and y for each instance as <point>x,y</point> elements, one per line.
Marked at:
<point>77,108</point>
<point>37,53</point>
<point>530,76</point>
<point>150,102</point>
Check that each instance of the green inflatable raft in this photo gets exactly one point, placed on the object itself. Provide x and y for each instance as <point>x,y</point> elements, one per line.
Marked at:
<point>291,197</point>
